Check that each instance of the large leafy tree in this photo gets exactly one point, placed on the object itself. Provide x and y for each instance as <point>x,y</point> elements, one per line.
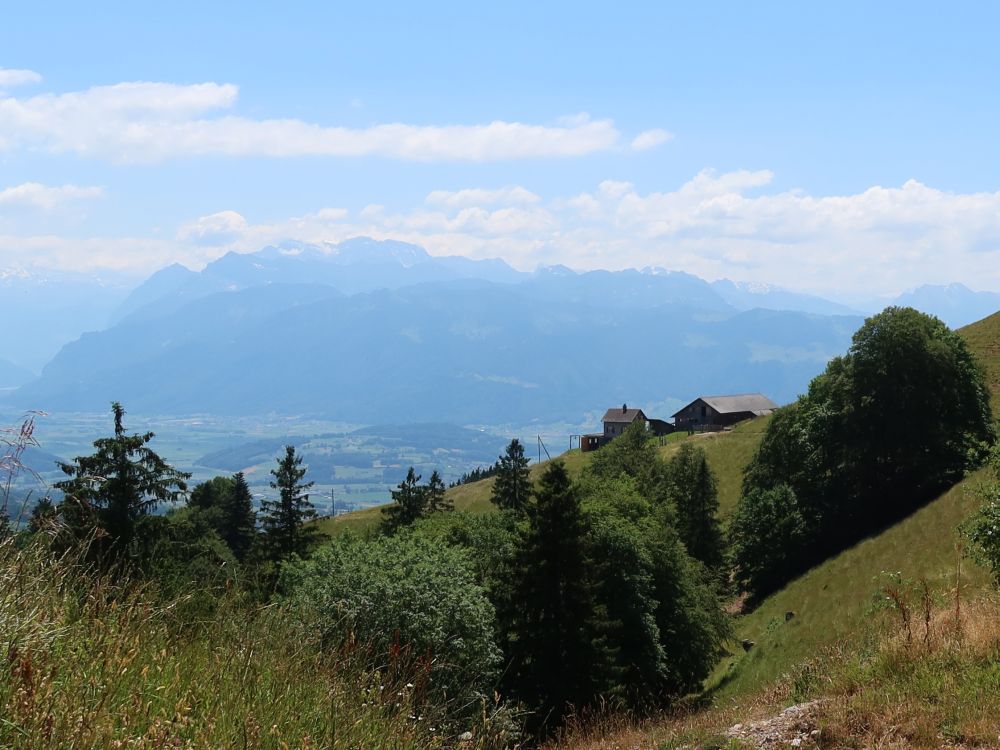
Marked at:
<point>512,486</point>
<point>285,521</point>
<point>900,417</point>
<point>409,504</point>
<point>122,481</point>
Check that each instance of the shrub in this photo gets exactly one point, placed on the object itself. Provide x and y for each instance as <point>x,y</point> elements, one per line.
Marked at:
<point>406,601</point>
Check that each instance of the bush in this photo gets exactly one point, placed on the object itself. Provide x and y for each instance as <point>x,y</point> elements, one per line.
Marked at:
<point>408,602</point>
<point>983,529</point>
<point>769,538</point>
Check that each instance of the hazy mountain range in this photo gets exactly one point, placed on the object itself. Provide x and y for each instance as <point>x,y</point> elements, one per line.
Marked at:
<point>369,331</point>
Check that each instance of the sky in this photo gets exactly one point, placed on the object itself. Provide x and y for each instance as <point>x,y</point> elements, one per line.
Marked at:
<point>845,149</point>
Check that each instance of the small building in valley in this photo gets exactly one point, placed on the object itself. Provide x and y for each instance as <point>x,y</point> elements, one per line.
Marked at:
<point>722,411</point>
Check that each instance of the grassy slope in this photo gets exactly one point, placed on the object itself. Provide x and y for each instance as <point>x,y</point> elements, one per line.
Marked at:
<point>728,453</point>
<point>983,338</point>
<point>832,602</point>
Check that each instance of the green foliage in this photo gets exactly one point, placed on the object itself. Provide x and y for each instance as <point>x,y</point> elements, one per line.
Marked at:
<point>769,537</point>
<point>226,505</point>
<point>409,599</point>
<point>696,498</point>
<point>409,504</point>
<point>633,454</point>
<point>512,487</point>
<point>120,483</point>
<point>491,541</point>
<point>555,630</point>
<point>903,415</point>
<point>982,530</point>
<point>92,661</point>
<point>437,500</point>
<point>285,521</point>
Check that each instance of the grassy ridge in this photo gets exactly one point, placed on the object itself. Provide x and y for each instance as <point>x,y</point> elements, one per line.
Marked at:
<point>983,338</point>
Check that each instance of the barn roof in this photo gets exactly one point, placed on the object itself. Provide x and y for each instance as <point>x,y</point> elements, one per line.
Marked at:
<point>746,402</point>
<point>623,414</point>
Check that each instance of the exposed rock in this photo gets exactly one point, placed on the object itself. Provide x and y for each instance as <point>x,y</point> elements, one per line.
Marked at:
<point>793,727</point>
<point>748,644</point>
<point>789,615</point>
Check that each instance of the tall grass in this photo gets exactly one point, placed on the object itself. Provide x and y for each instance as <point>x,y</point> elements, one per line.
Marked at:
<point>88,661</point>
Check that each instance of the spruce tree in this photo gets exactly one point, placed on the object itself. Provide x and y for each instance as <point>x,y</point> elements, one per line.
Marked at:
<point>409,503</point>
<point>512,486</point>
<point>437,499</point>
<point>285,521</point>
<point>239,519</point>
<point>120,483</point>
<point>693,488</point>
<point>556,629</point>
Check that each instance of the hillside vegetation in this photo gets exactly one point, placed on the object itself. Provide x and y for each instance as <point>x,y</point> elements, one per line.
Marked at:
<point>727,452</point>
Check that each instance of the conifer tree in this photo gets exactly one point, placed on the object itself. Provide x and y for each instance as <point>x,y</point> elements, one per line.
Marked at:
<point>285,521</point>
<point>409,503</point>
<point>437,499</point>
<point>512,486</point>
<point>696,497</point>
<point>556,629</point>
<point>240,519</point>
<point>121,482</point>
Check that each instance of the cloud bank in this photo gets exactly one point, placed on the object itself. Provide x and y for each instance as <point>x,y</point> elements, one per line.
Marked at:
<point>876,242</point>
<point>148,122</point>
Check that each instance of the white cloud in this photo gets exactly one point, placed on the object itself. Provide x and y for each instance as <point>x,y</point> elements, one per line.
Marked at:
<point>10,77</point>
<point>150,122</point>
<point>36,195</point>
<point>515,195</point>
<point>220,228</point>
<point>650,139</point>
<point>878,241</point>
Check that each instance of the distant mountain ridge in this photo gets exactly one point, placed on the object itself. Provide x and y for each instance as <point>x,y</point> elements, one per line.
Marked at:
<point>381,331</point>
<point>554,347</point>
<point>955,304</point>
<point>357,265</point>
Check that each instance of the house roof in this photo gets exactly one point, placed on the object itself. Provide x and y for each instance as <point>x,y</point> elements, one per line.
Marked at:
<point>756,403</point>
<point>623,414</point>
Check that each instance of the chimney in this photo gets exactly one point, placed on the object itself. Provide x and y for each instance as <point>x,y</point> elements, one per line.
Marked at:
<point>624,408</point>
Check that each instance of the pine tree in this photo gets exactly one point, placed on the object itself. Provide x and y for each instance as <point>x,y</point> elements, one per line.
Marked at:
<point>121,482</point>
<point>437,498</point>
<point>512,486</point>
<point>696,497</point>
<point>409,503</point>
<point>239,519</point>
<point>556,629</point>
<point>285,521</point>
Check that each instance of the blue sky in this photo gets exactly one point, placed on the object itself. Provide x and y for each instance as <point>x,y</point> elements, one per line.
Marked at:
<point>848,149</point>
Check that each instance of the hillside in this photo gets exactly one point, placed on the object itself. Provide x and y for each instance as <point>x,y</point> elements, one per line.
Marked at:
<point>983,338</point>
<point>727,452</point>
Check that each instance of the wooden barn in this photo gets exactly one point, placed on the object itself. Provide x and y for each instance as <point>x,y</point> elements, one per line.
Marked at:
<point>722,411</point>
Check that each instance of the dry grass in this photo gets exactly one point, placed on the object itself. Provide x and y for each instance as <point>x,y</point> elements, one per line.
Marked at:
<point>91,662</point>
